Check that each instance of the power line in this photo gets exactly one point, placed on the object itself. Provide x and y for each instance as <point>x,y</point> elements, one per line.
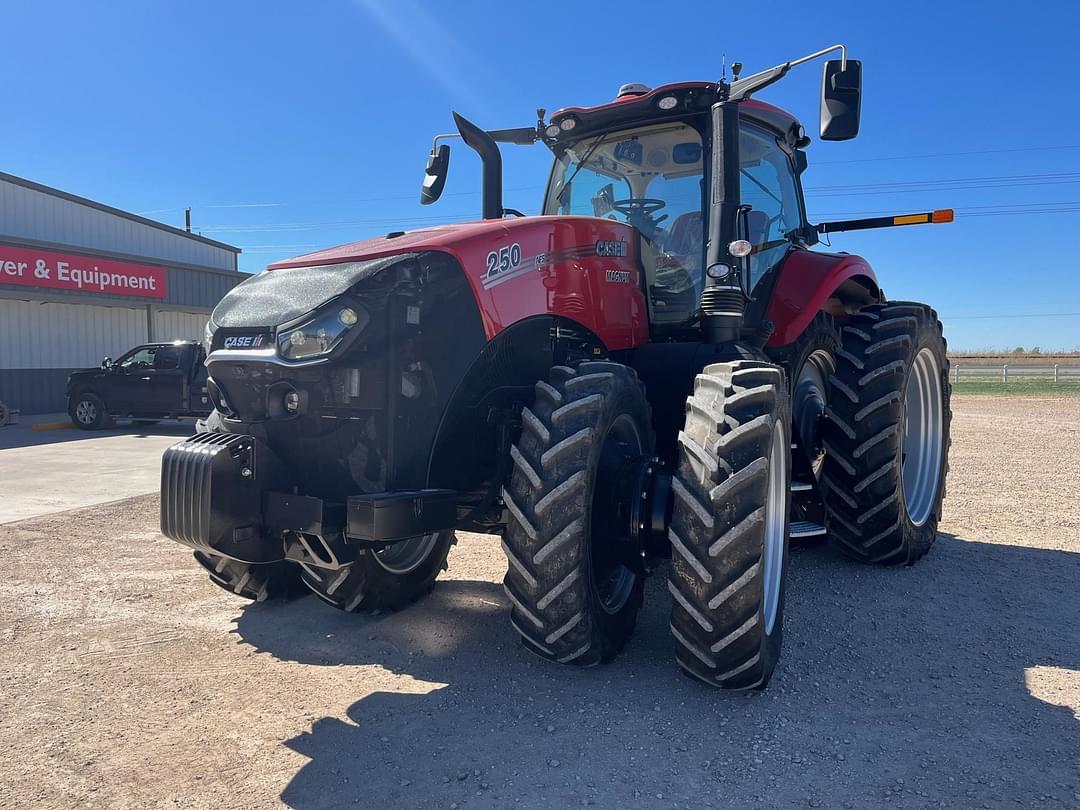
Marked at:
<point>296,227</point>
<point>946,154</point>
<point>974,211</point>
<point>890,184</point>
<point>1012,315</point>
<point>312,203</point>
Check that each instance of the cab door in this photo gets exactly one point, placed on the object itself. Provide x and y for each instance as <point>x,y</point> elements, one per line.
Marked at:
<point>130,382</point>
<point>767,184</point>
<point>167,379</point>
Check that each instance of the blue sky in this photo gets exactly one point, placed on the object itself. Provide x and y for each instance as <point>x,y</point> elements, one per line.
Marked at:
<point>293,126</point>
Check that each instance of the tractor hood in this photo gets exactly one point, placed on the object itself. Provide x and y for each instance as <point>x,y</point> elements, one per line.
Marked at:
<point>515,268</point>
<point>289,289</point>
<point>443,237</point>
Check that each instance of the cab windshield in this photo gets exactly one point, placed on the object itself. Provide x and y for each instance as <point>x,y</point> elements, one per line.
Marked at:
<point>650,178</point>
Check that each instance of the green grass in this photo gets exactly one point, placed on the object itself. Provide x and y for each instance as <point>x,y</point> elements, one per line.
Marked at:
<point>1018,386</point>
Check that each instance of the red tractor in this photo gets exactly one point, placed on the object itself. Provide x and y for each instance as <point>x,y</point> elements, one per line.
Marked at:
<point>658,366</point>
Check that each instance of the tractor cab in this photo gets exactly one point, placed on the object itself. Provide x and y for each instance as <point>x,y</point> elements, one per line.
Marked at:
<point>651,174</point>
<point>705,175</point>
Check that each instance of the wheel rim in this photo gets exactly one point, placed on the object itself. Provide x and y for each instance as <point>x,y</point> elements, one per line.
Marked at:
<point>775,520</point>
<point>86,412</point>
<point>408,555</point>
<point>614,557</point>
<point>808,401</point>
<point>922,446</point>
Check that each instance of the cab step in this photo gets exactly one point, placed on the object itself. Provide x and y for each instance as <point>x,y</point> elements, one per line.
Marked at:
<point>801,529</point>
<point>801,486</point>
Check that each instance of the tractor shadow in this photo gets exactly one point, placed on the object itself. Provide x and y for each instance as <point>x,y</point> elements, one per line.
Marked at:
<point>946,682</point>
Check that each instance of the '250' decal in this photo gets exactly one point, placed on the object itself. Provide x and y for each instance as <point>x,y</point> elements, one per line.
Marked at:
<point>504,264</point>
<point>503,260</point>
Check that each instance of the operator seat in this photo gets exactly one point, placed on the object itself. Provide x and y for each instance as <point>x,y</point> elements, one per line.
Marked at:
<point>686,235</point>
<point>672,275</point>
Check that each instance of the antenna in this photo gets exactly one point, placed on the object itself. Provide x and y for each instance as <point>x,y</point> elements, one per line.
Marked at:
<point>723,67</point>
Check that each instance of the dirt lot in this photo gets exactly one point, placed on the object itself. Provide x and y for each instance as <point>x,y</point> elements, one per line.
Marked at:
<point>126,680</point>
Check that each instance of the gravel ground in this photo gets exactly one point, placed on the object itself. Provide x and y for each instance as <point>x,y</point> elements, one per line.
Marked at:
<point>126,680</point>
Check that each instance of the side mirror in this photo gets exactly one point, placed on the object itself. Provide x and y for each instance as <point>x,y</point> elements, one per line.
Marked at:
<point>438,164</point>
<point>106,363</point>
<point>841,95</point>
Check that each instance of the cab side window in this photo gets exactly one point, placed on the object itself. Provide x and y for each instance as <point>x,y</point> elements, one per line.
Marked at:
<point>167,358</point>
<point>767,184</point>
<point>140,359</point>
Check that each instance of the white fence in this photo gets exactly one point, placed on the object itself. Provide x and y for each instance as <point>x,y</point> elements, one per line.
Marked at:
<point>1055,372</point>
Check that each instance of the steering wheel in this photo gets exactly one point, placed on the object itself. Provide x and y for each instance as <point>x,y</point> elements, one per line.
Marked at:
<point>645,206</point>
<point>639,214</point>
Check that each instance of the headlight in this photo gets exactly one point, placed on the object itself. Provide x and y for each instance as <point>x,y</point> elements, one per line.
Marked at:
<point>322,334</point>
<point>208,338</point>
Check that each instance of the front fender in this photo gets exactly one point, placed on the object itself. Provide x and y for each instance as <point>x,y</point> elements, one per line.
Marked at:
<point>808,280</point>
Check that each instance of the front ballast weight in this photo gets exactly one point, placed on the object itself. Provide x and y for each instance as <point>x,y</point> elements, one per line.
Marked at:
<point>229,496</point>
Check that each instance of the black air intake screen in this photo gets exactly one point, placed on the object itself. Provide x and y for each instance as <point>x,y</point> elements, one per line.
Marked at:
<point>275,297</point>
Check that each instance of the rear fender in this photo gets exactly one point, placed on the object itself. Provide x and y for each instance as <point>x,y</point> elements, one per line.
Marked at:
<point>809,282</point>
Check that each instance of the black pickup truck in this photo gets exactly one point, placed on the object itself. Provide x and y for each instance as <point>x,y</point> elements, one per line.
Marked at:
<point>151,382</point>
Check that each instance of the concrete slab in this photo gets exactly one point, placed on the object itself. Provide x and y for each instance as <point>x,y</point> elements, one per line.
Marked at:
<point>51,471</point>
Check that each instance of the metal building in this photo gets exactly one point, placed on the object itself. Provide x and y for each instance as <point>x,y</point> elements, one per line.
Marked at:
<point>80,280</point>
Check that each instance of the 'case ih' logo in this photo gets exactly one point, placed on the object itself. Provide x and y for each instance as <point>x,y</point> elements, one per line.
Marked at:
<point>611,248</point>
<point>244,341</point>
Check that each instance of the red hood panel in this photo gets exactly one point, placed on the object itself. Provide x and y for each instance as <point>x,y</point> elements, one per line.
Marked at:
<point>442,237</point>
<point>583,269</point>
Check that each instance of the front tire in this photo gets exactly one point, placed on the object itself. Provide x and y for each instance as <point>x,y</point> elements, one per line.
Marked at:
<point>575,577</point>
<point>88,412</point>
<point>385,579</point>
<point>888,445</point>
<point>280,580</point>
<point>729,526</point>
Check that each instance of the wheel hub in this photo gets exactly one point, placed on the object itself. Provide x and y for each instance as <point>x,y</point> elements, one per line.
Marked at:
<point>775,525</point>
<point>808,402</point>
<point>923,437</point>
<point>86,412</point>
<point>616,549</point>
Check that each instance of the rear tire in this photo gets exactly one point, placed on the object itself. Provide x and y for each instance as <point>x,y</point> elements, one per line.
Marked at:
<point>575,579</point>
<point>387,579</point>
<point>808,364</point>
<point>887,449</point>
<point>729,525</point>
<point>258,583</point>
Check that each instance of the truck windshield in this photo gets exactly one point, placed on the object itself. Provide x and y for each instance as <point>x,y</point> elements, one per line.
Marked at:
<point>651,178</point>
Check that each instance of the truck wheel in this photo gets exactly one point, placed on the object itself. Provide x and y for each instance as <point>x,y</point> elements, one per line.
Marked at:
<point>387,579</point>
<point>278,580</point>
<point>887,448</point>
<point>575,577</point>
<point>88,412</point>
<point>729,525</point>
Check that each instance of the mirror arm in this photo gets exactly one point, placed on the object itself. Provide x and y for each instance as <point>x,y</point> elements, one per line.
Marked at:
<point>743,88</point>
<point>516,136</point>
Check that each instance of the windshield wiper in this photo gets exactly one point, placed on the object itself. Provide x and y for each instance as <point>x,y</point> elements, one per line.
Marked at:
<point>581,164</point>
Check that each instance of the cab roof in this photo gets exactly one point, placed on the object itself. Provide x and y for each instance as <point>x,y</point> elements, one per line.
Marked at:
<point>690,97</point>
